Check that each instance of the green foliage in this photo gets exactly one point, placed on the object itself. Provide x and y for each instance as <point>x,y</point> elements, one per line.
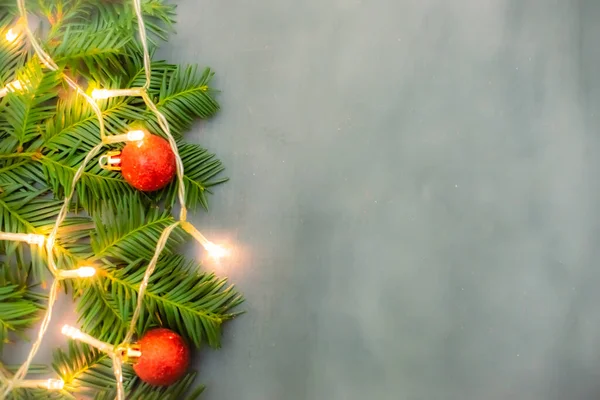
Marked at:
<point>143,391</point>
<point>86,372</point>
<point>26,109</point>
<point>12,54</point>
<point>182,96</point>
<point>201,168</point>
<point>99,54</point>
<point>46,131</point>
<point>178,295</point>
<point>129,232</point>
<point>19,306</point>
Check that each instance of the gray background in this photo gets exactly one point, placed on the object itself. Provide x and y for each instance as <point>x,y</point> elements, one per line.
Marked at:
<point>412,204</point>
<point>414,194</point>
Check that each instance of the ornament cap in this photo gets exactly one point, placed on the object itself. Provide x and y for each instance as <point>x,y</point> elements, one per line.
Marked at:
<point>110,161</point>
<point>130,353</point>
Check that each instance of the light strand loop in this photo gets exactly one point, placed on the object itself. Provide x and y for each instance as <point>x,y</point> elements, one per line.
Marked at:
<point>124,351</point>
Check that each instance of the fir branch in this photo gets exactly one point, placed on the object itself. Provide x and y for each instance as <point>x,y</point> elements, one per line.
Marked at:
<point>200,169</point>
<point>86,370</point>
<point>98,313</point>
<point>159,17</point>
<point>12,54</point>
<point>70,136</point>
<point>19,306</point>
<point>98,54</point>
<point>96,186</point>
<point>37,394</point>
<point>128,232</point>
<point>20,169</point>
<point>26,110</point>
<point>24,211</point>
<point>137,76</point>
<point>42,143</point>
<point>34,369</point>
<point>178,296</point>
<point>182,96</point>
<point>31,211</point>
<point>143,391</point>
<point>75,123</point>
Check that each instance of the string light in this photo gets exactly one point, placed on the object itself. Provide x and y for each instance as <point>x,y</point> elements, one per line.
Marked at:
<point>119,353</point>
<point>82,272</point>
<point>215,251</point>
<point>131,136</point>
<point>14,86</point>
<point>76,334</point>
<point>101,94</point>
<point>11,35</point>
<point>30,238</point>
<point>50,384</point>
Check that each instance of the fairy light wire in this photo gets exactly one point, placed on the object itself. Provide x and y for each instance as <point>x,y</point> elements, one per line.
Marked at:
<point>114,352</point>
<point>162,241</point>
<point>53,294</point>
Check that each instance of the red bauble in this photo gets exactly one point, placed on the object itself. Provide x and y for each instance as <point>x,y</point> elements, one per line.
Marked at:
<point>148,164</point>
<point>165,357</point>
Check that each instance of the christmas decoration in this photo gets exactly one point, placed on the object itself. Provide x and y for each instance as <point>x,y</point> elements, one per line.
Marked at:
<point>164,357</point>
<point>148,164</point>
<point>69,92</point>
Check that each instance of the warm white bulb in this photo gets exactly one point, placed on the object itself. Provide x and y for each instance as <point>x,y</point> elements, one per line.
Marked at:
<point>86,272</point>
<point>71,332</point>
<point>36,239</point>
<point>11,35</point>
<point>11,87</point>
<point>216,251</point>
<point>100,94</point>
<point>83,272</point>
<point>50,384</point>
<point>134,136</point>
<point>15,85</point>
<point>55,384</point>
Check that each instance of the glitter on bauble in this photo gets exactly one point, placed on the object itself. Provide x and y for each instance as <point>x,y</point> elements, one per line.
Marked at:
<point>148,164</point>
<point>164,358</point>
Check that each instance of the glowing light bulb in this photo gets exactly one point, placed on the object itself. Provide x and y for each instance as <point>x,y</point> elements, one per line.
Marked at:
<point>36,239</point>
<point>11,87</point>
<point>15,85</point>
<point>76,334</point>
<point>82,272</point>
<point>55,384</point>
<point>135,135</point>
<point>131,136</point>
<point>102,94</point>
<point>30,238</point>
<point>71,332</point>
<point>215,251</point>
<point>50,384</point>
<point>11,35</point>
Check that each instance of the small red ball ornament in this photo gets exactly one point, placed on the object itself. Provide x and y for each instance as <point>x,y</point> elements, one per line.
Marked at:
<point>165,357</point>
<point>148,164</point>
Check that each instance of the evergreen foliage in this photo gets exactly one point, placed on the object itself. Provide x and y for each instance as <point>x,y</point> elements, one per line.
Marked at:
<point>46,130</point>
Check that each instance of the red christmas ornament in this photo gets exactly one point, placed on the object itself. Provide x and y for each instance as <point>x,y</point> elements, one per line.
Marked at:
<point>148,164</point>
<point>165,357</point>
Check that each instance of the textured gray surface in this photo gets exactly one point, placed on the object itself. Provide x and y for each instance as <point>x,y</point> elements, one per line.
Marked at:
<point>413,196</point>
<point>414,188</point>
